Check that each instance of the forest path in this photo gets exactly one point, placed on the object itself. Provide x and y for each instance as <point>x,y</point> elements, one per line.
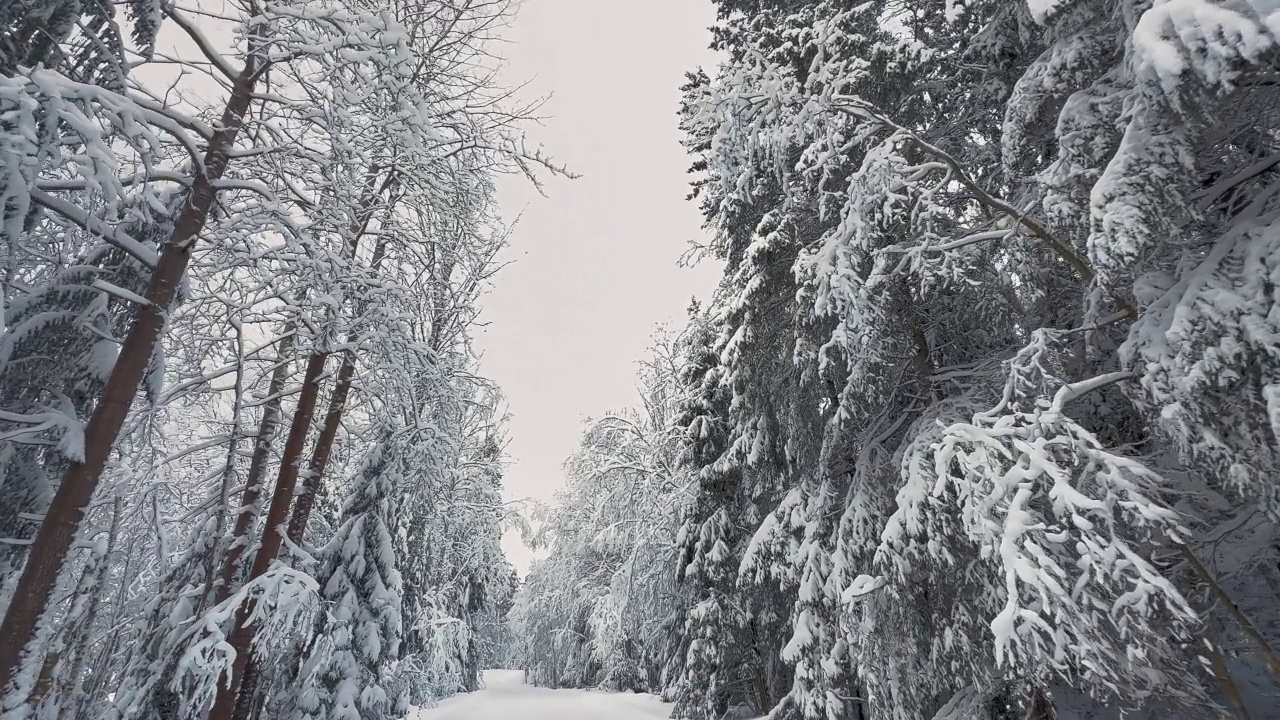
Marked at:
<point>506,697</point>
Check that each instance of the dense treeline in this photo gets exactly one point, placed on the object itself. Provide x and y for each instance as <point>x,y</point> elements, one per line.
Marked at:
<point>247,467</point>
<point>982,419</point>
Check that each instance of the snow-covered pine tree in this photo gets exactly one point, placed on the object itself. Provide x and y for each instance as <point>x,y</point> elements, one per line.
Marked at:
<point>84,41</point>
<point>346,676</point>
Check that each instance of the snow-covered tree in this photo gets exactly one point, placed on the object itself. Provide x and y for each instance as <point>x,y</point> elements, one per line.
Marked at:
<point>281,255</point>
<point>359,634</point>
<point>986,379</point>
<point>595,611</point>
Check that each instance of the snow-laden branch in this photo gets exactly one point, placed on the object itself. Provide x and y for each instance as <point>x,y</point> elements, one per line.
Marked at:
<point>119,292</point>
<point>859,108</point>
<point>96,226</point>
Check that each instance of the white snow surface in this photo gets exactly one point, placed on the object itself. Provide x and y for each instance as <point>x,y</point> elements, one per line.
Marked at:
<point>506,697</point>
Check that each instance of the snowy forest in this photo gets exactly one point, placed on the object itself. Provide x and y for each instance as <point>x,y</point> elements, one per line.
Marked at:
<point>982,421</point>
<point>248,469</point>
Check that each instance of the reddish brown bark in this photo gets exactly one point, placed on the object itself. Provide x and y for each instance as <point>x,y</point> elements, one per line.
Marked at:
<point>328,434</point>
<point>250,508</point>
<point>58,530</point>
<point>246,698</point>
<point>1041,707</point>
<point>251,499</point>
<point>333,418</point>
<point>303,505</point>
<point>242,633</point>
<point>324,448</point>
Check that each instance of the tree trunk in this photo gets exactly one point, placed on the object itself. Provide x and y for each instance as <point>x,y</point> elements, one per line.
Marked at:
<point>1041,707</point>
<point>272,534</point>
<point>306,500</point>
<point>44,681</point>
<point>250,501</point>
<point>244,699</point>
<point>62,521</point>
<point>323,450</point>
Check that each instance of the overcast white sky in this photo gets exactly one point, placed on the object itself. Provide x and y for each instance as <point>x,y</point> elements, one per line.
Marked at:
<point>595,262</point>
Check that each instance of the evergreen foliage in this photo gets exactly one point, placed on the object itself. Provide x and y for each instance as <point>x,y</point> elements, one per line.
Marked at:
<point>978,422</point>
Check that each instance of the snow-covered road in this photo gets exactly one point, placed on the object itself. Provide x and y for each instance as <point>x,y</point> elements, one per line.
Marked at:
<point>506,697</point>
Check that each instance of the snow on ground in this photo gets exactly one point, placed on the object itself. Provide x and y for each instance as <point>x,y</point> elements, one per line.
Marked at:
<point>506,697</point>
